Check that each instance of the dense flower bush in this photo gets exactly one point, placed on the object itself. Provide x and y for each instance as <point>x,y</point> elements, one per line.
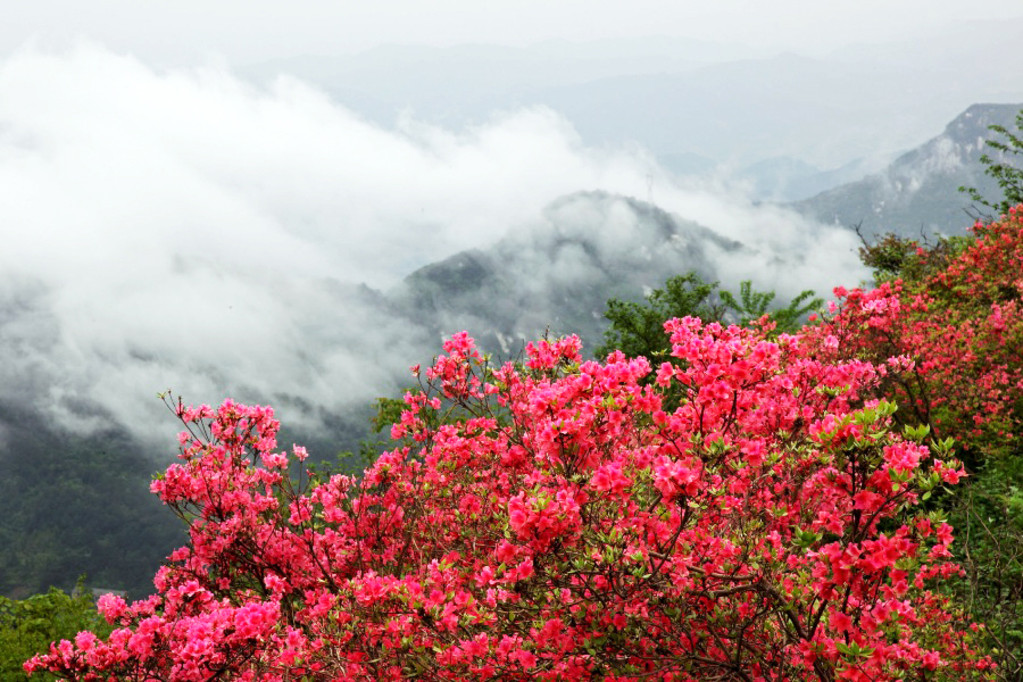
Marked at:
<point>954,308</point>
<point>550,519</point>
<point>956,311</point>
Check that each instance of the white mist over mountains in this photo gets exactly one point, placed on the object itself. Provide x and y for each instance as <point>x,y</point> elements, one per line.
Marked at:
<point>221,235</point>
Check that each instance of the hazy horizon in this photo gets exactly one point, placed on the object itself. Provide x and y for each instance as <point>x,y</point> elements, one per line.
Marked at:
<point>248,31</point>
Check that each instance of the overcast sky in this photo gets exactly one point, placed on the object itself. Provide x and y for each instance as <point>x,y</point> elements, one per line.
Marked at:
<point>242,31</point>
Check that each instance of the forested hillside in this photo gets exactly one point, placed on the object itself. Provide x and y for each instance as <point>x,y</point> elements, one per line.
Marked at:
<point>76,505</point>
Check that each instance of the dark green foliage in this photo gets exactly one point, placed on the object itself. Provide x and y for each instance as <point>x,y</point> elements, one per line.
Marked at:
<point>638,328</point>
<point>388,412</point>
<point>889,256</point>
<point>377,440</point>
<point>753,305</point>
<point>72,504</point>
<point>987,514</point>
<point>28,626</point>
<point>1008,176</point>
<point>893,257</point>
<point>347,462</point>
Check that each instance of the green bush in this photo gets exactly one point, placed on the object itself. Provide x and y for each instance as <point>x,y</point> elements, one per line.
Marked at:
<point>28,626</point>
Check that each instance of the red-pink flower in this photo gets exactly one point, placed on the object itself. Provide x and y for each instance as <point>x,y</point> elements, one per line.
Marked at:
<point>565,521</point>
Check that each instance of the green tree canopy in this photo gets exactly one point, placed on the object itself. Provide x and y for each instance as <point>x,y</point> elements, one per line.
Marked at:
<point>637,328</point>
<point>28,626</point>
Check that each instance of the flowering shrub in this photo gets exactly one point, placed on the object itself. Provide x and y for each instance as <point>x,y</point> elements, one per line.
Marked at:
<point>551,520</point>
<point>955,310</point>
<point>962,324</point>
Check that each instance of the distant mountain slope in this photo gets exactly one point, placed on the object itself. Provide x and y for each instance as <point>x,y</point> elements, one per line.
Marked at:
<point>918,192</point>
<point>744,111</point>
<point>558,275</point>
<point>784,178</point>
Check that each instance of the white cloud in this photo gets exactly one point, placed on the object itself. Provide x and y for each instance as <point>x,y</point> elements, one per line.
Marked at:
<point>181,229</point>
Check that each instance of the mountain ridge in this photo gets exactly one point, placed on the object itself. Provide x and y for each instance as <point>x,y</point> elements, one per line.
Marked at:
<point>918,193</point>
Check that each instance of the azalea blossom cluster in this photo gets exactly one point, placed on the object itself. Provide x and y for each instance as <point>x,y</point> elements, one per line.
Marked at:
<point>961,323</point>
<point>559,519</point>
